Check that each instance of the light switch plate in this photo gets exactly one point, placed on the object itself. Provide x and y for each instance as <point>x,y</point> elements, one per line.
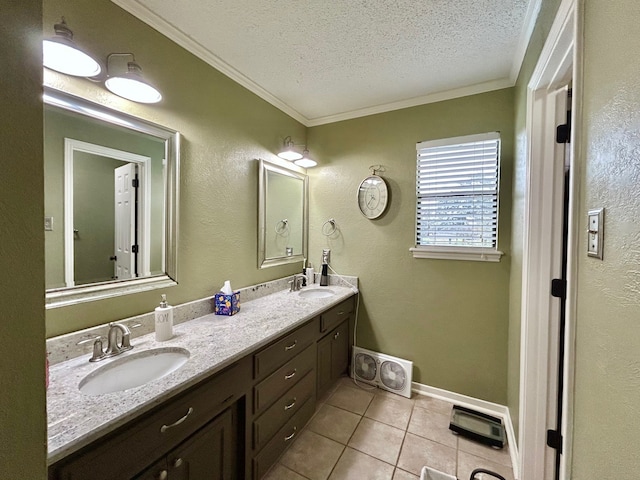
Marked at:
<point>595,233</point>
<point>48,224</point>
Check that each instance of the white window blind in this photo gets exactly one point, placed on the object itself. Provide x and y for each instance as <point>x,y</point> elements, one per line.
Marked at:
<point>457,192</point>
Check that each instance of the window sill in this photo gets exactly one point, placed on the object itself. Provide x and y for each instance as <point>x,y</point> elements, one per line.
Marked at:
<point>458,253</point>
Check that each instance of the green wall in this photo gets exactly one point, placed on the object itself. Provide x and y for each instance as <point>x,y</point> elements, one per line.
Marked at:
<point>607,366</point>
<point>543,25</point>
<point>224,129</point>
<point>449,317</point>
<point>22,335</point>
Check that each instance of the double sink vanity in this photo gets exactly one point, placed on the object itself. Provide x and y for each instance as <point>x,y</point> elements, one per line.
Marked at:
<point>222,399</point>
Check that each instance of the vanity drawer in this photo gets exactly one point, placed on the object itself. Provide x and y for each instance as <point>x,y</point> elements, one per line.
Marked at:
<point>282,439</point>
<point>157,432</point>
<point>337,314</point>
<point>283,350</point>
<point>272,387</point>
<point>282,410</point>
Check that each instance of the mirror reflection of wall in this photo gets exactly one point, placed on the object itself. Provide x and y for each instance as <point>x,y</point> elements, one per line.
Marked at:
<point>284,208</point>
<point>91,237</point>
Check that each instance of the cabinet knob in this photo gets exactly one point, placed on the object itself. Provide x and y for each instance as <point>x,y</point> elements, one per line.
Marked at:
<point>163,475</point>
<point>177,463</point>
<point>335,337</point>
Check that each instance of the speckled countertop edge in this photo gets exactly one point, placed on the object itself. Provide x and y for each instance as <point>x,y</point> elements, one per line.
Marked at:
<point>214,342</point>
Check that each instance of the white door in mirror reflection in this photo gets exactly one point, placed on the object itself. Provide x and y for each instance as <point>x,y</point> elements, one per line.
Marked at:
<point>126,186</point>
<point>107,211</point>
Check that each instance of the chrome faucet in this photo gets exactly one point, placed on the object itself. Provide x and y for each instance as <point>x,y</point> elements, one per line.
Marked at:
<point>114,347</point>
<point>296,282</point>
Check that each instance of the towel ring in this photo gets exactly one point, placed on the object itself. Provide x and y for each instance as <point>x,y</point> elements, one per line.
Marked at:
<point>329,230</point>
<point>282,227</point>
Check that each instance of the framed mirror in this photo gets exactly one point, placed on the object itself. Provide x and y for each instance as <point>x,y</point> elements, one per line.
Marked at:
<point>111,202</point>
<point>283,215</point>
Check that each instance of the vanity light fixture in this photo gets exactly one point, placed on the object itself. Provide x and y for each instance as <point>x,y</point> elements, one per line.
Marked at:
<point>60,53</point>
<point>130,84</point>
<point>305,161</point>
<point>289,151</point>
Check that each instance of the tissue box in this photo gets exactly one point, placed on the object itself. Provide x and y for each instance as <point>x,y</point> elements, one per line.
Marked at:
<point>227,304</point>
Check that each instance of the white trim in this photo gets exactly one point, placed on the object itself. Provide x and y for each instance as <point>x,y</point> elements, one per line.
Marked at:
<point>483,406</point>
<point>413,102</point>
<point>540,257</point>
<point>72,145</point>
<point>457,253</point>
<point>533,9</point>
<point>444,142</point>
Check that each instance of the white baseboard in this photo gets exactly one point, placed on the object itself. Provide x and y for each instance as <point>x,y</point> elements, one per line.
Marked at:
<point>490,408</point>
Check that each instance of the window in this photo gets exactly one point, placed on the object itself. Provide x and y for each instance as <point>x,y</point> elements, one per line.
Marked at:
<point>457,183</point>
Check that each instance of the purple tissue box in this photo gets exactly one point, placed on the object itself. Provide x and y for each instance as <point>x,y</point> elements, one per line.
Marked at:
<point>227,304</point>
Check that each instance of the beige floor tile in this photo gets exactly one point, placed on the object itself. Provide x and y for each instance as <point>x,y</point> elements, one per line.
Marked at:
<point>354,465</point>
<point>402,475</point>
<point>500,456</point>
<point>467,463</point>
<point>350,398</point>
<point>417,452</point>
<point>432,425</point>
<point>312,455</point>
<point>385,393</point>
<point>280,472</point>
<point>434,404</point>
<point>378,440</point>
<point>390,411</point>
<point>335,423</point>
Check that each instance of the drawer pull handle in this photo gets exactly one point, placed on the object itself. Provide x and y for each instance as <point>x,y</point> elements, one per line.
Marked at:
<point>290,347</point>
<point>163,475</point>
<point>289,437</point>
<point>335,337</point>
<point>340,313</point>
<point>164,428</point>
<point>291,375</point>
<point>290,406</point>
<point>177,463</point>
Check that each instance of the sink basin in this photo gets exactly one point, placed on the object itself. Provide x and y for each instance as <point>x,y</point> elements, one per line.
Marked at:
<point>317,293</point>
<point>133,370</point>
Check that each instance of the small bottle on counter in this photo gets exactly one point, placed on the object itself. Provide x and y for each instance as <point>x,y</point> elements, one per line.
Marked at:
<point>164,320</point>
<point>310,275</point>
<point>324,276</point>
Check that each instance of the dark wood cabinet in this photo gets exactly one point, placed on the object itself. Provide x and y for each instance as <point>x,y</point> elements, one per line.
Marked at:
<point>210,454</point>
<point>233,425</point>
<point>333,356</point>
<point>146,440</point>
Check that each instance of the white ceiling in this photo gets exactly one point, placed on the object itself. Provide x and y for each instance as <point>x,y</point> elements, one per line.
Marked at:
<point>322,61</point>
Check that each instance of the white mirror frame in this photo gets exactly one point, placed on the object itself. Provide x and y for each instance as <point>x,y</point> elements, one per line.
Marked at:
<point>61,297</point>
<point>263,261</point>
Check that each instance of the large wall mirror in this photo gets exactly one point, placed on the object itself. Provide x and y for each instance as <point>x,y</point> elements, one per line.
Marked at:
<point>111,201</point>
<point>283,215</point>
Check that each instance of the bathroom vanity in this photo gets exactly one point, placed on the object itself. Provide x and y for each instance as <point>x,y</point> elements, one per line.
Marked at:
<point>250,385</point>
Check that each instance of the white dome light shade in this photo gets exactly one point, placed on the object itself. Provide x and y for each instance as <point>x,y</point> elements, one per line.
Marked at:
<point>289,152</point>
<point>306,163</point>
<point>133,87</point>
<point>61,54</point>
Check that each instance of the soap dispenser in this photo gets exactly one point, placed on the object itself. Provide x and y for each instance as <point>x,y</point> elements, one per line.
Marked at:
<point>164,320</point>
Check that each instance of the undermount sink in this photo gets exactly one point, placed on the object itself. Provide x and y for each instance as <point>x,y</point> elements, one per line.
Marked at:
<point>317,293</point>
<point>133,370</point>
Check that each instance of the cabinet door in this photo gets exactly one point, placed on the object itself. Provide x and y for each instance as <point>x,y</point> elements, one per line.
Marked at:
<point>210,454</point>
<point>333,356</point>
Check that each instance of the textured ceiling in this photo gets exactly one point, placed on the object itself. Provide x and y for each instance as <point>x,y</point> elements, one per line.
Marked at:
<point>328,60</point>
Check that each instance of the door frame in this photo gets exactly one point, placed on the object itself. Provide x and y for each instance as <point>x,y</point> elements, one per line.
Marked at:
<point>557,65</point>
<point>72,145</point>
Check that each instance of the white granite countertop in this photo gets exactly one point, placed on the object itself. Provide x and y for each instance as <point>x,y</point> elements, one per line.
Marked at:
<point>214,342</point>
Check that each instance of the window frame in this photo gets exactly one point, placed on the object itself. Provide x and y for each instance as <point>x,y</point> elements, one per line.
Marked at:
<point>470,253</point>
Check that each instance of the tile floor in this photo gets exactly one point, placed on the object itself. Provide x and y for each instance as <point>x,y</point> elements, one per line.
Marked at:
<point>370,434</point>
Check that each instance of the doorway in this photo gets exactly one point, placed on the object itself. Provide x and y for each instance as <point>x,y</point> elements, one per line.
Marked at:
<point>546,356</point>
